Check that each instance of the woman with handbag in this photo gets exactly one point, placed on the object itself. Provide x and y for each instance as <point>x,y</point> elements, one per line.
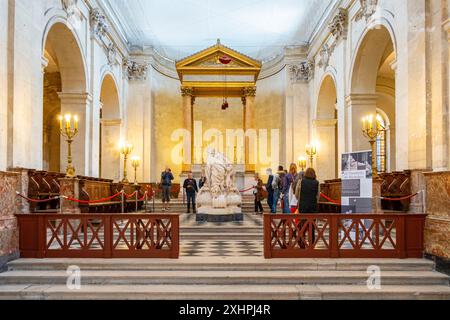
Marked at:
<point>258,191</point>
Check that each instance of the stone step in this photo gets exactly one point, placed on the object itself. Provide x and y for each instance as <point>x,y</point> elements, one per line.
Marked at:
<point>223,292</point>
<point>220,236</point>
<point>223,263</point>
<point>115,277</point>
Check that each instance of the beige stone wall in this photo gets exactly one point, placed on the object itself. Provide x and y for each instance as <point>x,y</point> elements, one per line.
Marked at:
<point>167,117</point>
<point>3,84</point>
<point>437,228</point>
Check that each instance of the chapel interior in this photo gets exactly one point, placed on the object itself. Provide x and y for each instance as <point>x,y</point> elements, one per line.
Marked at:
<point>99,96</point>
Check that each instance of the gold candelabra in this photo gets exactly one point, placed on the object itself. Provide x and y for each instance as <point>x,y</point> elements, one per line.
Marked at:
<point>126,149</point>
<point>135,163</point>
<point>311,151</point>
<point>69,132</point>
<point>302,162</point>
<point>372,128</point>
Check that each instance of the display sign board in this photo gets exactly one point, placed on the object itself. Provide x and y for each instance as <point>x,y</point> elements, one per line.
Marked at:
<point>357,182</point>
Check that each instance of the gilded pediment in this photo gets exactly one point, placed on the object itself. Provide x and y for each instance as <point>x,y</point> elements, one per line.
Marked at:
<point>218,60</point>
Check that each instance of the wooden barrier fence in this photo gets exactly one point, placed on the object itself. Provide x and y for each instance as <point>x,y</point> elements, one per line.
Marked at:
<point>99,236</point>
<point>344,236</point>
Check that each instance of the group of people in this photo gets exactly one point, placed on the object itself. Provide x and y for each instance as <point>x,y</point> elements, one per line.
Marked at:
<point>293,191</point>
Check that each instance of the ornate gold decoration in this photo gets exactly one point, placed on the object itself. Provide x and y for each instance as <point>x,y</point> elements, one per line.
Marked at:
<point>69,132</point>
<point>206,64</point>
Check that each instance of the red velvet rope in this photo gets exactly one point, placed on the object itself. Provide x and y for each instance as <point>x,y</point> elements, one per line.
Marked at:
<point>242,191</point>
<point>38,200</point>
<point>329,199</point>
<point>93,201</point>
<point>400,199</point>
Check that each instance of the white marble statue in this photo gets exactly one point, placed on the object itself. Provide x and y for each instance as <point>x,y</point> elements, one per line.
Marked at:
<point>219,194</point>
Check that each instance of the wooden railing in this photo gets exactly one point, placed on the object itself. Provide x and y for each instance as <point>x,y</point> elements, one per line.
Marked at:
<point>344,236</point>
<point>99,236</point>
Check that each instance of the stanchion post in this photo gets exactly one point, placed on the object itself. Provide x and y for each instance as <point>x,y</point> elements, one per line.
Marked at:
<point>122,201</point>
<point>146,200</point>
<point>154,201</point>
<point>136,201</point>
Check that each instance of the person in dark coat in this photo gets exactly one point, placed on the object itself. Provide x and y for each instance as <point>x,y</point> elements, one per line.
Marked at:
<point>269,188</point>
<point>190,186</point>
<point>259,195</point>
<point>166,185</point>
<point>309,197</point>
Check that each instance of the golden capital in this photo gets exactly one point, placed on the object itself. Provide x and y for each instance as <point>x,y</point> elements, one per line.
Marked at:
<point>249,92</point>
<point>187,91</point>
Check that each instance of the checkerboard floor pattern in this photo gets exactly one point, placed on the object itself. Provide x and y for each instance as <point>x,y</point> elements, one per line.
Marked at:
<point>221,248</point>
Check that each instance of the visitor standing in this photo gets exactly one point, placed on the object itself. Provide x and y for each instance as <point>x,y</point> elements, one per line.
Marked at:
<point>259,195</point>
<point>269,188</point>
<point>277,186</point>
<point>309,196</point>
<point>291,179</point>
<point>166,185</point>
<point>190,187</point>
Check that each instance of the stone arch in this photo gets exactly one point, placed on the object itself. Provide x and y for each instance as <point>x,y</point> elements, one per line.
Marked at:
<point>65,87</point>
<point>110,122</point>
<point>372,85</point>
<point>326,129</point>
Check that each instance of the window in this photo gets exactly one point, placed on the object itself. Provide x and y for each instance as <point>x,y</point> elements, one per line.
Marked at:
<point>382,145</point>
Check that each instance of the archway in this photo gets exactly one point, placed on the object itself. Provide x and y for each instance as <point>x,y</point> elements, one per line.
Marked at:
<point>109,129</point>
<point>64,93</point>
<point>326,130</point>
<point>373,92</point>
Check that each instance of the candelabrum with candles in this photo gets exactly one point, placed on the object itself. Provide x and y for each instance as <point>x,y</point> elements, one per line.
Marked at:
<point>135,163</point>
<point>311,151</point>
<point>302,163</point>
<point>69,131</point>
<point>125,149</point>
<point>372,129</point>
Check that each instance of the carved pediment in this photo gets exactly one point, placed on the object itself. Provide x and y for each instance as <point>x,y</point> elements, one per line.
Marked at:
<point>218,60</point>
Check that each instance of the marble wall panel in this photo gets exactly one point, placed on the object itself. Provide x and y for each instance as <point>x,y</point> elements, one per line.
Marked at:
<point>9,234</point>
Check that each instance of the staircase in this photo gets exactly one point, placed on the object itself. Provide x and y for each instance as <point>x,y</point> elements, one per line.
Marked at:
<point>223,278</point>
<point>177,205</point>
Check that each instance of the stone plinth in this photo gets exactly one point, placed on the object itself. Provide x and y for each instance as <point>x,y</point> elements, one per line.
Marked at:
<point>70,187</point>
<point>418,183</point>
<point>23,205</point>
<point>437,226</point>
<point>9,233</point>
<point>376,195</point>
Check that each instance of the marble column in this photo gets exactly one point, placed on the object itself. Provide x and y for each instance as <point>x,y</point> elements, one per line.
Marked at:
<point>188,125</point>
<point>359,106</point>
<point>248,101</point>
<point>325,134</point>
<point>77,104</point>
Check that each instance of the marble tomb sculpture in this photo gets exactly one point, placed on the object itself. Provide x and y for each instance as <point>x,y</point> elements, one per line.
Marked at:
<point>219,196</point>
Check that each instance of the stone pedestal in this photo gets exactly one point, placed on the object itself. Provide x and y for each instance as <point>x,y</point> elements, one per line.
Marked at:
<point>70,187</point>
<point>23,205</point>
<point>376,195</point>
<point>437,225</point>
<point>9,204</point>
<point>418,183</point>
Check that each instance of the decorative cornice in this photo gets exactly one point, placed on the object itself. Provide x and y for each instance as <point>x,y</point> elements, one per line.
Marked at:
<point>339,25</point>
<point>99,25</point>
<point>302,72</point>
<point>70,7</point>
<point>134,70</point>
<point>368,9</point>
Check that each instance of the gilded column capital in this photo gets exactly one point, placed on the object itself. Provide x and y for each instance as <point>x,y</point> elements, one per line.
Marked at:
<point>249,92</point>
<point>187,91</point>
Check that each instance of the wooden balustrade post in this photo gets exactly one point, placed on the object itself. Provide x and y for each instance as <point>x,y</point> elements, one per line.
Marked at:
<point>108,238</point>
<point>42,237</point>
<point>267,236</point>
<point>175,236</point>
<point>334,236</point>
<point>401,236</point>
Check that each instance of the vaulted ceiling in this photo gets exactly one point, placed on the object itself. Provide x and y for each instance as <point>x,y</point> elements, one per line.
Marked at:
<point>178,28</point>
